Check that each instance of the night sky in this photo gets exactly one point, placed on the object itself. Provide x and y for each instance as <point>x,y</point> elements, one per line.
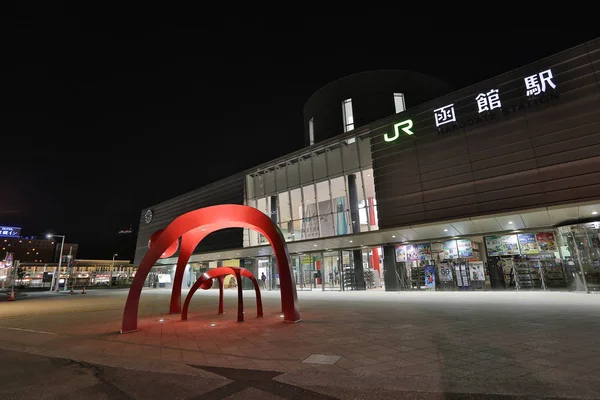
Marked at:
<point>104,117</point>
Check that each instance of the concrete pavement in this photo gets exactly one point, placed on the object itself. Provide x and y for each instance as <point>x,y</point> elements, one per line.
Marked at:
<point>367,344</point>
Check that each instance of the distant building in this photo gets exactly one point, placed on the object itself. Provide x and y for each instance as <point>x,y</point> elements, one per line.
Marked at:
<point>28,249</point>
<point>83,273</point>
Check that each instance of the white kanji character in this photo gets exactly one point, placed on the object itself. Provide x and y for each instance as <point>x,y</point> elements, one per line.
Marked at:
<point>536,84</point>
<point>532,85</point>
<point>444,115</point>
<point>488,101</point>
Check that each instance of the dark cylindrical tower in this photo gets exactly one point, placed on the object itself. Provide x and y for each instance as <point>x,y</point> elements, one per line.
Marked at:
<point>359,99</point>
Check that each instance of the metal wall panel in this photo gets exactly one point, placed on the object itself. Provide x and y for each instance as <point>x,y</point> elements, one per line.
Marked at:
<point>533,150</point>
<point>226,191</point>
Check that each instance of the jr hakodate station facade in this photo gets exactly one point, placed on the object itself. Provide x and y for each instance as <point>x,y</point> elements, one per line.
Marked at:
<point>406,184</point>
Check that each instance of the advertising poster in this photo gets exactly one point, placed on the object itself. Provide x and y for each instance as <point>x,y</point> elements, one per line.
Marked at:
<point>437,251</point>
<point>429,277</point>
<point>461,275</point>
<point>450,250</point>
<point>510,245</point>
<point>445,272</point>
<point>400,253</point>
<point>464,248</point>
<point>310,222</point>
<point>476,272</point>
<point>412,252</point>
<point>528,243</point>
<point>341,223</point>
<point>546,241</point>
<point>325,219</point>
<point>424,251</point>
<point>494,245</point>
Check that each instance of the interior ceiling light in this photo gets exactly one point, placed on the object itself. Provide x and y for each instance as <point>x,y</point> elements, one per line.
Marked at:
<point>594,212</point>
<point>510,222</point>
<point>445,230</point>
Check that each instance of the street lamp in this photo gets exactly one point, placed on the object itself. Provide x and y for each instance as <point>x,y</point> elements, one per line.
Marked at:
<point>112,267</point>
<point>62,244</point>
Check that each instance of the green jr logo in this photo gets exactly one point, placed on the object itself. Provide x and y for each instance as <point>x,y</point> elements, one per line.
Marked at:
<point>405,126</point>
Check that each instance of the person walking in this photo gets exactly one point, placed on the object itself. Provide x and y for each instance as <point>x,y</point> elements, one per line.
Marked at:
<point>263,278</point>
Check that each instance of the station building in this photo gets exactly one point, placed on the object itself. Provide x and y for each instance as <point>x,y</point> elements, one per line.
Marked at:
<point>408,184</point>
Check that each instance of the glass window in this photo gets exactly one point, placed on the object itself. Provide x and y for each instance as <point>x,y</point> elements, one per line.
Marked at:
<point>261,205</point>
<point>364,151</point>
<point>334,160</point>
<point>323,194</point>
<point>350,156</point>
<point>309,194</point>
<point>259,187</point>
<point>281,178</point>
<point>340,206</point>
<point>306,173</point>
<point>269,181</point>
<point>348,115</point>
<point>399,102</point>
<point>319,164</point>
<point>284,207</point>
<point>310,219</point>
<point>249,186</point>
<point>293,175</point>
<point>325,209</point>
<point>296,200</point>
<point>311,131</point>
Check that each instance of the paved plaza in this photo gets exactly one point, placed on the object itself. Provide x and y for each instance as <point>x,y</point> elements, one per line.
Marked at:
<point>349,345</point>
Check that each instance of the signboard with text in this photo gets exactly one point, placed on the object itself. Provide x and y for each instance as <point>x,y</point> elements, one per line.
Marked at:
<point>10,231</point>
<point>475,151</point>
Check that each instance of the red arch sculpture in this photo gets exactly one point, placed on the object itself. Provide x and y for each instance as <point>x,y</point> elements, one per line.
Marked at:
<point>205,282</point>
<point>194,226</point>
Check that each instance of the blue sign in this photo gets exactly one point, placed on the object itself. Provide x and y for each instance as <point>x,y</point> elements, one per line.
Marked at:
<point>10,231</point>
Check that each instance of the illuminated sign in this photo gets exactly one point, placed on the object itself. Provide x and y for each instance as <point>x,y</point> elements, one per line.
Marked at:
<point>536,84</point>
<point>405,126</point>
<point>486,102</point>
<point>10,231</point>
<point>444,115</point>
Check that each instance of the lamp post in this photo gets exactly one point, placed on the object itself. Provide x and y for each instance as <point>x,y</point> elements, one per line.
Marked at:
<point>62,244</point>
<point>112,267</point>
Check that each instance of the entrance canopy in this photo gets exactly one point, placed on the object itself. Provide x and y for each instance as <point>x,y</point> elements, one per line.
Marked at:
<point>545,217</point>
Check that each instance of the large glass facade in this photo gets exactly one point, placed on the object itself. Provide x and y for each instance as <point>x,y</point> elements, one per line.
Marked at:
<point>566,259</point>
<point>326,192</point>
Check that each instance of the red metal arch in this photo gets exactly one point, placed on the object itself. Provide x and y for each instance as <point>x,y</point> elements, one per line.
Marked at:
<point>205,282</point>
<point>193,227</point>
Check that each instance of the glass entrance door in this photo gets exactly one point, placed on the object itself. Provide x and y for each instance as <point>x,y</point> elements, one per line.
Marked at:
<point>265,267</point>
<point>302,266</point>
<point>332,271</point>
